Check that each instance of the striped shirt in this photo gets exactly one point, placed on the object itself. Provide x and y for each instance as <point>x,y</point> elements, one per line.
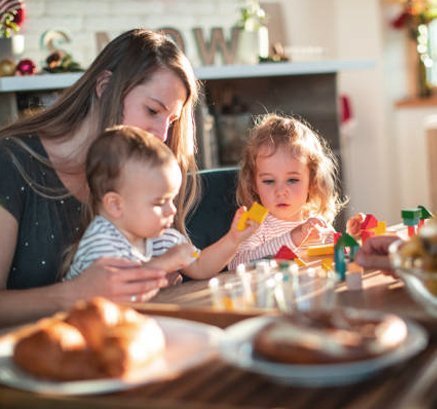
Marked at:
<point>266,241</point>
<point>103,239</point>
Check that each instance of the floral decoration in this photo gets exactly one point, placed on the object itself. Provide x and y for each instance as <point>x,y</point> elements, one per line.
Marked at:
<point>415,13</point>
<point>11,17</point>
<point>252,16</point>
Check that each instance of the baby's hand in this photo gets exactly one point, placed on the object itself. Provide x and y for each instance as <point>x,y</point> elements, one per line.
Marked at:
<point>176,258</point>
<point>313,229</point>
<point>353,225</point>
<point>238,235</point>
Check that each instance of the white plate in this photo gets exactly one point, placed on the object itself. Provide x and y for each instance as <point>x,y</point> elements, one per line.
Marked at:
<point>236,349</point>
<point>188,344</point>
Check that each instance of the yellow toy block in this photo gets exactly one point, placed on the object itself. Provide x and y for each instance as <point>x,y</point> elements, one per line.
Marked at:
<point>257,213</point>
<point>380,228</point>
<point>327,264</point>
<point>299,262</point>
<point>241,224</point>
<point>322,250</point>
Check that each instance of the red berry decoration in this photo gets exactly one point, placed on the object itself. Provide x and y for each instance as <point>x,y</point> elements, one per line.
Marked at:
<point>26,67</point>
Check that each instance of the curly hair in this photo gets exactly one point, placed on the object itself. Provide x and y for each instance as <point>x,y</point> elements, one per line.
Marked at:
<point>273,131</point>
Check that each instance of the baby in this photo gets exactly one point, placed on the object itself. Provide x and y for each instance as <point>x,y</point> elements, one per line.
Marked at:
<point>133,180</point>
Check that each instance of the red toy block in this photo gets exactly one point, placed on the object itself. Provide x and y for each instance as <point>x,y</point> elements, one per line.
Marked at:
<point>285,253</point>
<point>369,222</point>
<point>365,234</point>
<point>337,235</point>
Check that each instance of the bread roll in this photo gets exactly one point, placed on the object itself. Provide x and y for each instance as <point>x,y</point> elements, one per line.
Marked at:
<point>96,339</point>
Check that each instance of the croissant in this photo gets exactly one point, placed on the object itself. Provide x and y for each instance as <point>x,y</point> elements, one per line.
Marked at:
<point>96,339</point>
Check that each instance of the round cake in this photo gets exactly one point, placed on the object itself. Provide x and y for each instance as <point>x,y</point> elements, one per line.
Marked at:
<point>323,338</point>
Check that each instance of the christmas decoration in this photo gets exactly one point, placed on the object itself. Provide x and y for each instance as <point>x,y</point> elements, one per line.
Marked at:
<point>60,61</point>
<point>7,68</point>
<point>26,67</point>
<point>11,17</point>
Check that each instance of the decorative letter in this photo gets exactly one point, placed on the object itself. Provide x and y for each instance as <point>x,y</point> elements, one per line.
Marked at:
<point>102,40</point>
<point>208,50</point>
<point>175,35</point>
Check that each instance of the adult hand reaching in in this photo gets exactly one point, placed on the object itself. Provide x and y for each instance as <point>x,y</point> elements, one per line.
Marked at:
<point>119,280</point>
<point>373,254</point>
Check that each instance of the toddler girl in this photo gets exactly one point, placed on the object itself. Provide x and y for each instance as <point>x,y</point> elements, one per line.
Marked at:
<point>133,180</point>
<point>291,171</point>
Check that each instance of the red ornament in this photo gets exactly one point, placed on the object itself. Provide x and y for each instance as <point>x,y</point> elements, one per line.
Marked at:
<point>26,67</point>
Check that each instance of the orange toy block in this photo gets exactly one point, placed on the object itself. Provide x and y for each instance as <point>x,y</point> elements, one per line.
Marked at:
<point>257,213</point>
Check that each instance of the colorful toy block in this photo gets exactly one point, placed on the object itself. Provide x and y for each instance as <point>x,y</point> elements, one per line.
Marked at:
<point>322,250</point>
<point>411,218</point>
<point>381,228</point>
<point>369,222</point>
<point>424,215</point>
<point>257,213</point>
<point>340,262</point>
<point>326,264</point>
<point>354,279</point>
<point>344,242</point>
<point>285,253</point>
<point>365,234</point>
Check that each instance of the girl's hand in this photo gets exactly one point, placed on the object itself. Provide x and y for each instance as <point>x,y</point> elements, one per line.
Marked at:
<point>313,229</point>
<point>120,280</point>
<point>353,225</point>
<point>238,236</point>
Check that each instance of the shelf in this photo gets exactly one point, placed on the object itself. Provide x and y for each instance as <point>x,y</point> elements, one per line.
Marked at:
<point>278,69</point>
<point>416,102</point>
<point>59,81</point>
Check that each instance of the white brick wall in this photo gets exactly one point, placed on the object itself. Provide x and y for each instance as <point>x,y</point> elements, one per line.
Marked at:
<point>81,19</point>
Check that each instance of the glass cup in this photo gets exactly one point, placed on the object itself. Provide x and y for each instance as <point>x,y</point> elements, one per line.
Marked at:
<point>228,293</point>
<point>311,289</point>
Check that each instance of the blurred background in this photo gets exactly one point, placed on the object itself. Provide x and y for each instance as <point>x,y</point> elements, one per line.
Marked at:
<point>384,111</point>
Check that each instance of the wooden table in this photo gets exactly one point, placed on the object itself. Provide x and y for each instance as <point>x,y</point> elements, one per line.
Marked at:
<point>215,384</point>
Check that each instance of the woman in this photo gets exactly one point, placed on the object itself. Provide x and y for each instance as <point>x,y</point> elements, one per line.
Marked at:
<point>141,78</point>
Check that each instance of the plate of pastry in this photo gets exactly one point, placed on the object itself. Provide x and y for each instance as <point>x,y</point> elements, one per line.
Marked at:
<point>101,347</point>
<point>322,348</point>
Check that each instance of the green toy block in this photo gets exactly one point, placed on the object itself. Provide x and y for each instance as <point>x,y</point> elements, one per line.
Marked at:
<point>411,213</point>
<point>346,240</point>
<point>424,213</point>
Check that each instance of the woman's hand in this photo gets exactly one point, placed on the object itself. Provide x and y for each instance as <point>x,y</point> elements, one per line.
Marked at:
<point>313,229</point>
<point>119,280</point>
<point>373,254</point>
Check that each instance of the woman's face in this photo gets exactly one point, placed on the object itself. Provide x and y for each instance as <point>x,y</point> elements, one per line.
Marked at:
<point>155,104</point>
<point>282,183</point>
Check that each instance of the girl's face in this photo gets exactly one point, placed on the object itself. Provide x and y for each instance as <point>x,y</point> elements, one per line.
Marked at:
<point>282,183</point>
<point>154,105</point>
<point>147,195</point>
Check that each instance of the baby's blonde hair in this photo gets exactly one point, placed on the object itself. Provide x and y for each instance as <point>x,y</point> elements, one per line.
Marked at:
<point>275,132</point>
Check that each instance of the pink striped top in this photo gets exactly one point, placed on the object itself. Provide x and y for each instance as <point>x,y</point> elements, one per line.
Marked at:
<point>266,241</point>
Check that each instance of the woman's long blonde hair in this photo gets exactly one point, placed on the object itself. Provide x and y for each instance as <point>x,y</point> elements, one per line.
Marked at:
<point>279,132</point>
<point>132,58</point>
